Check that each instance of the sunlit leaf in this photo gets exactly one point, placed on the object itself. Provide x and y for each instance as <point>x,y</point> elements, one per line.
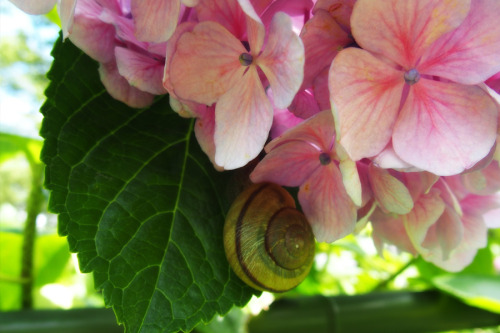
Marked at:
<point>482,291</point>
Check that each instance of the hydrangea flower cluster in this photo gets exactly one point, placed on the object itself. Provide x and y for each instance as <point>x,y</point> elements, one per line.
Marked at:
<point>378,110</point>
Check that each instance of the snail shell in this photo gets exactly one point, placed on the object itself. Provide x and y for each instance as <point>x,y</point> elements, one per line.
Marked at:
<point>269,243</point>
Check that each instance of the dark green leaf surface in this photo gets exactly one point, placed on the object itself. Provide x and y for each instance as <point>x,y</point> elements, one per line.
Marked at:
<point>139,201</point>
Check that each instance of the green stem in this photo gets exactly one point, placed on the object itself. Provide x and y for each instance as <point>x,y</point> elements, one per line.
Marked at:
<point>388,312</point>
<point>383,284</point>
<point>33,208</point>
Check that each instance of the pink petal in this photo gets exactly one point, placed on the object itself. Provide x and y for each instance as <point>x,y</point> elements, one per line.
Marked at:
<point>468,55</point>
<point>283,60</point>
<point>124,27</point>
<point>255,28</point>
<point>120,89</point>
<point>445,235</point>
<point>419,183</point>
<point>34,7</point>
<point>289,164</point>
<point>426,211</point>
<point>298,10</point>
<point>304,105</point>
<point>185,109</point>
<point>474,238</point>
<point>326,204</point>
<point>323,39</point>
<point>243,118</point>
<point>317,130</point>
<point>366,92</point>
<point>141,71</point>
<point>445,128</point>
<point>320,88</point>
<point>485,181</point>
<point>388,159</point>
<point>206,63</point>
<point>388,228</point>
<point>170,50</point>
<point>402,30</point>
<point>283,120</point>
<point>89,33</point>
<point>204,130</point>
<point>226,12</point>
<point>391,194</point>
<point>155,20</point>
<point>66,10</point>
<point>340,10</point>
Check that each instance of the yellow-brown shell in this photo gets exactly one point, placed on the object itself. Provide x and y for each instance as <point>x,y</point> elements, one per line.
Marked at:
<point>269,243</point>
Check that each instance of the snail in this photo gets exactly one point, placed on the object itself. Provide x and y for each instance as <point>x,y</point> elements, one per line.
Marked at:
<point>268,242</point>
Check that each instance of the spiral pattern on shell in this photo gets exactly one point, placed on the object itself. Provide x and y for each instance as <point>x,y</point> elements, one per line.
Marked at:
<point>269,243</point>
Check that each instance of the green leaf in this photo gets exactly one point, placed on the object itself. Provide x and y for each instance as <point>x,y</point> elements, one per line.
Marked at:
<point>139,201</point>
<point>10,269</point>
<point>482,291</point>
<point>12,144</point>
<point>51,258</point>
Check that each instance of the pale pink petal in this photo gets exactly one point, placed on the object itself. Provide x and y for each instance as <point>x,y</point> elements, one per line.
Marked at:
<point>255,28</point>
<point>445,128</point>
<point>289,164</point>
<point>90,34</point>
<point>326,204</point>
<point>66,10</point>
<point>323,39</point>
<point>470,54</point>
<point>492,217</point>
<point>204,129</point>
<point>388,228</point>
<point>426,211</point>
<point>34,7</point>
<point>155,20</point>
<point>205,64</point>
<point>485,181</point>
<point>317,130</point>
<point>226,12</point>
<point>391,194</point>
<point>124,26</point>
<point>474,238</point>
<point>170,50</point>
<point>366,94</point>
<point>283,60</point>
<point>445,235</point>
<point>340,10</point>
<point>403,30</point>
<point>120,89</point>
<point>141,71</point>
<point>388,159</point>
<point>478,205</point>
<point>243,118</point>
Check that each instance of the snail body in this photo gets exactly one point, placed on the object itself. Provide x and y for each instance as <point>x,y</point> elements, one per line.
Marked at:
<point>268,242</point>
